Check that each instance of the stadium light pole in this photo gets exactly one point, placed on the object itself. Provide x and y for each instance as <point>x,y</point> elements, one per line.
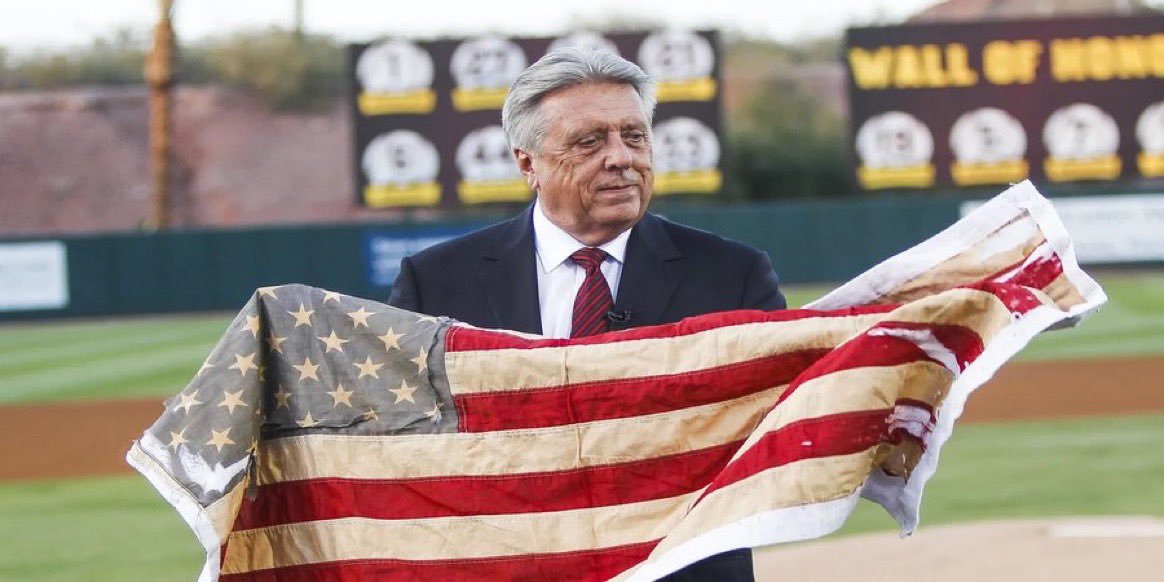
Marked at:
<point>299,20</point>
<point>159,75</point>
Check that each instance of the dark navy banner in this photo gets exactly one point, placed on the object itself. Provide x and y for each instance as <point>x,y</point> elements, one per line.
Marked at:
<point>427,115</point>
<point>991,103</point>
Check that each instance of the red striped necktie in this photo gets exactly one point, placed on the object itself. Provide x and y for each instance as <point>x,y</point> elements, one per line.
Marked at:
<point>593,300</point>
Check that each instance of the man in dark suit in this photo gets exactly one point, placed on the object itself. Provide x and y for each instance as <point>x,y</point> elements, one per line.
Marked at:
<point>587,257</point>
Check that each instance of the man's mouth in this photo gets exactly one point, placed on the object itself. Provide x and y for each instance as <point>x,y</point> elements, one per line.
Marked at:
<point>616,187</point>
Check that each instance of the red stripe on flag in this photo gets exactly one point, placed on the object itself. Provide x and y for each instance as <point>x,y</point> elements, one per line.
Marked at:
<point>863,351</point>
<point>316,499</point>
<point>623,398</point>
<point>884,350</point>
<point>812,438</point>
<point>1016,298</point>
<point>1039,273</point>
<point>585,566</point>
<point>963,341</point>
<point>463,339</point>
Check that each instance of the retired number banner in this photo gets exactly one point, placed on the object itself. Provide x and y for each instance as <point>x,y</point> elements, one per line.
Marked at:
<point>985,103</point>
<point>332,437</point>
<point>427,115</point>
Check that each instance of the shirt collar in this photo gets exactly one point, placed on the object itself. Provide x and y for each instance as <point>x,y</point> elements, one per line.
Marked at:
<point>555,245</point>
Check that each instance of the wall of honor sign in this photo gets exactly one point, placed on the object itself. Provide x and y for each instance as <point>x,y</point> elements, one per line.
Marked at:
<point>427,115</point>
<point>980,104</point>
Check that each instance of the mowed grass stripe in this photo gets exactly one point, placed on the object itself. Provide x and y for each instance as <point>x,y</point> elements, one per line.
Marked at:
<point>1111,345</point>
<point>1131,323</point>
<point>33,334</point>
<point>98,529</point>
<point>156,356</point>
<point>1090,466</point>
<point>168,368</point>
<point>99,343</point>
<point>50,333</point>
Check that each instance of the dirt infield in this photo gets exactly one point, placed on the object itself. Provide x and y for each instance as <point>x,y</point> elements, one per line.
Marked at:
<point>1059,550</point>
<point>74,439</point>
<point>90,438</point>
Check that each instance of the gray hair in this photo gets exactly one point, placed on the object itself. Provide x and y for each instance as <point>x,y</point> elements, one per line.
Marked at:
<point>521,116</point>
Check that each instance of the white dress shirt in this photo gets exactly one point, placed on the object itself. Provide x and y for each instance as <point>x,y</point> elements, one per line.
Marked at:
<point>559,278</point>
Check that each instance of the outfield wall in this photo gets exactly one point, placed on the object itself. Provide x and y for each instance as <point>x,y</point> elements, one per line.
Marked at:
<point>131,273</point>
<point>198,270</point>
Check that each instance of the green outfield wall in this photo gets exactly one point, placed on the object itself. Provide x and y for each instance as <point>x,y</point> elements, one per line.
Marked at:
<point>197,270</point>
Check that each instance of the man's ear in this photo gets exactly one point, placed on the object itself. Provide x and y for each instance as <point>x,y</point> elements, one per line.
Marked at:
<point>525,166</point>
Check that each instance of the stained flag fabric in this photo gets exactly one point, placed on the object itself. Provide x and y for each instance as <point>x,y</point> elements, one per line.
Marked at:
<point>328,437</point>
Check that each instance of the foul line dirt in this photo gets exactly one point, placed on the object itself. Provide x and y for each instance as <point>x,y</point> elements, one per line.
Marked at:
<point>1078,549</point>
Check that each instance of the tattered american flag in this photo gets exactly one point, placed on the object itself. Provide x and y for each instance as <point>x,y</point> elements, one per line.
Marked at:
<point>331,437</point>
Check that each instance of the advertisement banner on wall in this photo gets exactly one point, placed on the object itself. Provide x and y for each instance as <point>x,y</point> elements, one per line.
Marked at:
<point>1122,228</point>
<point>33,275</point>
<point>427,115</point>
<point>992,103</point>
<point>383,250</point>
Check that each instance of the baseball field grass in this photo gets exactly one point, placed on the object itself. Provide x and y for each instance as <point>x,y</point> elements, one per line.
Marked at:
<point>156,356</point>
<point>118,528</point>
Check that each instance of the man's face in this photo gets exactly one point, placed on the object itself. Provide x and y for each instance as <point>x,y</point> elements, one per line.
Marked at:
<point>592,170</point>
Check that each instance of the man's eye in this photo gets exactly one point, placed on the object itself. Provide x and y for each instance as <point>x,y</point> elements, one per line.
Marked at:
<point>588,142</point>
<point>635,137</point>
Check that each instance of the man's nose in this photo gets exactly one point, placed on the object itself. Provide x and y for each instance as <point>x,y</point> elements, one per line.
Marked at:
<point>618,155</point>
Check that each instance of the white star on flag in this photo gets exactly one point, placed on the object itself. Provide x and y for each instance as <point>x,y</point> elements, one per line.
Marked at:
<point>404,392</point>
<point>391,339</point>
<point>275,342</point>
<point>307,421</point>
<point>232,400</point>
<point>341,395</point>
<point>307,369</point>
<point>333,342</point>
<point>188,401</point>
<point>252,325</point>
<point>421,361</point>
<point>219,439</point>
<point>360,317</point>
<point>302,317</point>
<point>176,438</point>
<point>244,363</point>
<point>368,368</point>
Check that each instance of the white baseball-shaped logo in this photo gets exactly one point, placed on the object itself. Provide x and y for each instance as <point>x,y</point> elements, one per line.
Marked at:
<point>484,154</point>
<point>1150,129</point>
<point>683,144</point>
<point>399,158</point>
<point>894,139</point>
<point>584,39</point>
<point>487,63</point>
<point>676,55</point>
<point>1081,131</point>
<point>986,136</point>
<point>394,66</point>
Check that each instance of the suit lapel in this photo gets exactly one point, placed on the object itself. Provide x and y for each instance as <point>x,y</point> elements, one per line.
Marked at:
<point>650,275</point>
<point>509,279</point>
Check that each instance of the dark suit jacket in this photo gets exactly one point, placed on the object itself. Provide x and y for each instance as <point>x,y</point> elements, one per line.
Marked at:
<point>487,278</point>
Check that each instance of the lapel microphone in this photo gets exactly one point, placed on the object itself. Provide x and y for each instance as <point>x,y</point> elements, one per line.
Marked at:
<point>618,316</point>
